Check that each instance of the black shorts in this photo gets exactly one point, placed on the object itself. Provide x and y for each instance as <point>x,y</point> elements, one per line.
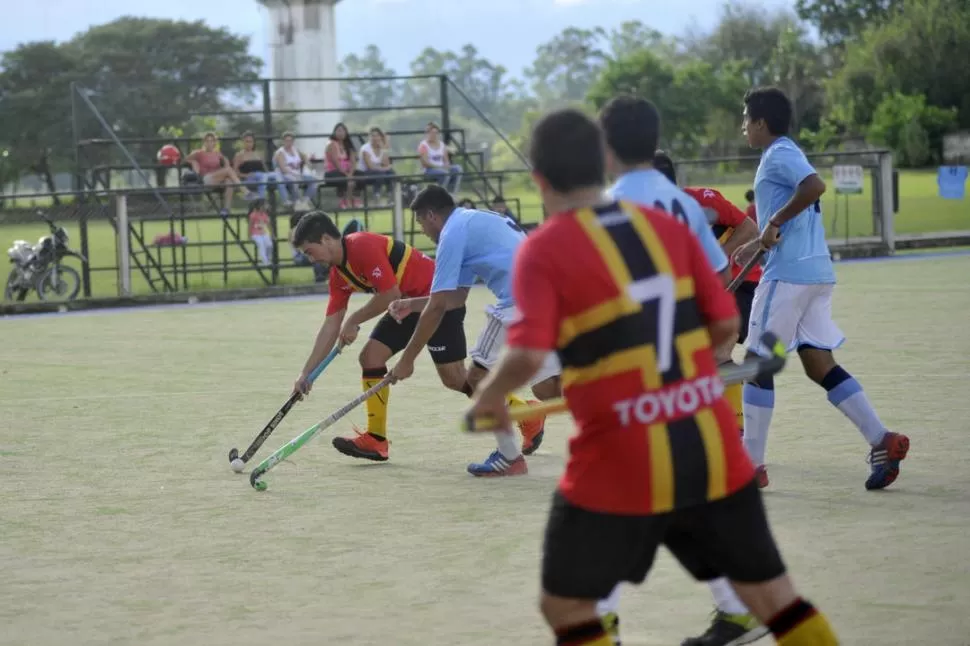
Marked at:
<point>744,297</point>
<point>586,554</point>
<point>447,344</point>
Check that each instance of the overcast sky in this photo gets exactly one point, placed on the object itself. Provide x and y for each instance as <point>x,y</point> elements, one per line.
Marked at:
<point>505,31</point>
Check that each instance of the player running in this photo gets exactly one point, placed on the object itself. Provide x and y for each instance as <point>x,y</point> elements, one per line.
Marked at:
<point>632,129</point>
<point>473,244</point>
<point>632,311</point>
<point>794,297</point>
<point>733,624</point>
<point>388,269</point>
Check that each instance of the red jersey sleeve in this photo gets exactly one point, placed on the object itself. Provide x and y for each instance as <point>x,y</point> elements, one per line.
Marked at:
<point>367,254</point>
<point>713,300</point>
<point>727,213</point>
<point>339,293</point>
<point>535,295</point>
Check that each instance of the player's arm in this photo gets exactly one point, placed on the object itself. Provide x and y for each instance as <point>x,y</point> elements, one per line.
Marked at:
<point>743,229</point>
<point>326,338</point>
<point>717,306</point>
<point>445,289</point>
<point>191,161</point>
<point>533,335</point>
<point>372,259</point>
<point>743,233</point>
<point>792,167</point>
<point>423,155</point>
<point>456,299</point>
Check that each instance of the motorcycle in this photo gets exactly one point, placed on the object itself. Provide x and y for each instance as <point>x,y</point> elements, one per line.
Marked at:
<point>38,267</point>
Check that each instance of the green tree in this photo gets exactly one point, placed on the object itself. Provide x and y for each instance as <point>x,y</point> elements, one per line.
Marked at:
<point>367,94</point>
<point>839,21</point>
<point>911,128</point>
<point>921,50</point>
<point>566,66</point>
<point>35,101</point>
<point>688,96</point>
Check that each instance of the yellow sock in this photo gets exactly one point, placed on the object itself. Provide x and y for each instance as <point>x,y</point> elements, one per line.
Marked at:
<point>376,406</point>
<point>515,400</point>
<point>733,394</point>
<point>588,634</point>
<point>803,625</point>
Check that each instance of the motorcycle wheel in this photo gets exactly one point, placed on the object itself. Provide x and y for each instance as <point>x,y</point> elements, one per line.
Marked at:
<point>11,293</point>
<point>60,282</point>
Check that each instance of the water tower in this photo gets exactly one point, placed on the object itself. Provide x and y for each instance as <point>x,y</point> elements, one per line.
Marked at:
<point>302,38</point>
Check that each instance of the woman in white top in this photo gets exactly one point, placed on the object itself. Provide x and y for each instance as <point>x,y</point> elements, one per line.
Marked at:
<point>375,162</point>
<point>290,163</point>
<point>436,161</point>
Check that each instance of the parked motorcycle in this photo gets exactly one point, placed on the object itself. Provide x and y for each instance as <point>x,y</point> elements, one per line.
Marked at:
<point>38,267</point>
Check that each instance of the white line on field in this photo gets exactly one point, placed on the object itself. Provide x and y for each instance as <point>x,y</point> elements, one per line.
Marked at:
<point>249,391</point>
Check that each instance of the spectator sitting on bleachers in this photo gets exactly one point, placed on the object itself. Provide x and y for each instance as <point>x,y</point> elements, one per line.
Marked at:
<point>436,160</point>
<point>499,206</point>
<point>466,204</point>
<point>213,169</point>
<point>251,168</point>
<point>260,232</point>
<point>375,163</point>
<point>340,158</point>
<point>290,164</point>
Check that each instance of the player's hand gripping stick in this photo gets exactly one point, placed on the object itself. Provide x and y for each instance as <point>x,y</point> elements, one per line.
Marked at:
<point>753,367</point>
<point>236,461</point>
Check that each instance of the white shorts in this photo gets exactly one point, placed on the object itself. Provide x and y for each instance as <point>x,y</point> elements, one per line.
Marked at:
<point>797,314</point>
<point>490,342</point>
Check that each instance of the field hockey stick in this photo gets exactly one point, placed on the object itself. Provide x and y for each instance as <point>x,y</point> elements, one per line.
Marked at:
<point>296,443</point>
<point>281,413</point>
<point>753,366</point>
<point>748,266</point>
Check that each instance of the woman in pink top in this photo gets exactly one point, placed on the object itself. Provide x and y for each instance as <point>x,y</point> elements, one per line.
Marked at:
<point>214,169</point>
<point>341,160</point>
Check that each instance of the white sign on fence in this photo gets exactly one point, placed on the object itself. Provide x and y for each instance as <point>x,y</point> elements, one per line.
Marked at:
<point>848,179</point>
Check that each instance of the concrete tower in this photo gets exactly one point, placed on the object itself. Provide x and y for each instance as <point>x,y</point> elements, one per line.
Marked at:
<point>302,37</point>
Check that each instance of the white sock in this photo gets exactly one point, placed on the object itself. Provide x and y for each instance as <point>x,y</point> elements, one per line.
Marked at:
<point>508,444</point>
<point>758,405</point>
<point>849,398</point>
<point>610,603</point>
<point>726,598</point>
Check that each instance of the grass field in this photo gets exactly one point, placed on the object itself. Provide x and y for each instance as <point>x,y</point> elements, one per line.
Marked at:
<point>921,210</point>
<point>122,523</point>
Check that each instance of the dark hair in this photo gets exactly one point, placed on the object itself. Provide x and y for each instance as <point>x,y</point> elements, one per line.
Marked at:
<point>663,163</point>
<point>567,150</point>
<point>312,227</point>
<point>749,195</point>
<point>632,129</point>
<point>466,204</point>
<point>432,124</point>
<point>434,197</point>
<point>498,198</point>
<point>248,133</point>
<point>770,104</point>
<point>207,134</point>
<point>381,133</point>
<point>347,143</point>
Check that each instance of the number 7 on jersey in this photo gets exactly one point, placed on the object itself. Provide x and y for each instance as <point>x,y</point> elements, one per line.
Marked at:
<point>659,288</point>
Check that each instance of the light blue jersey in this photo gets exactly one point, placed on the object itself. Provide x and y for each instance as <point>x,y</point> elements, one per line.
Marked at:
<point>952,182</point>
<point>652,188</point>
<point>477,244</point>
<point>802,255</point>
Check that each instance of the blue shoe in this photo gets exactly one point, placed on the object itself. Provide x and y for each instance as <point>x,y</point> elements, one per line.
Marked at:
<point>497,465</point>
<point>884,460</point>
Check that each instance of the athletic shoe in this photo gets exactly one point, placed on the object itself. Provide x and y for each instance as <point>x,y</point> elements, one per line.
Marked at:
<point>761,475</point>
<point>533,431</point>
<point>611,624</point>
<point>362,445</point>
<point>729,630</point>
<point>885,458</point>
<point>497,465</point>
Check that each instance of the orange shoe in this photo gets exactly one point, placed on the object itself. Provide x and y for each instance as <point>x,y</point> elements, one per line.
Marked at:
<point>533,430</point>
<point>362,445</point>
<point>761,476</point>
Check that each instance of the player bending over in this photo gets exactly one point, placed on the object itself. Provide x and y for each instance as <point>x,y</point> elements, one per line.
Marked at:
<point>794,297</point>
<point>632,129</point>
<point>474,244</point>
<point>632,312</point>
<point>388,269</point>
<point>733,624</point>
